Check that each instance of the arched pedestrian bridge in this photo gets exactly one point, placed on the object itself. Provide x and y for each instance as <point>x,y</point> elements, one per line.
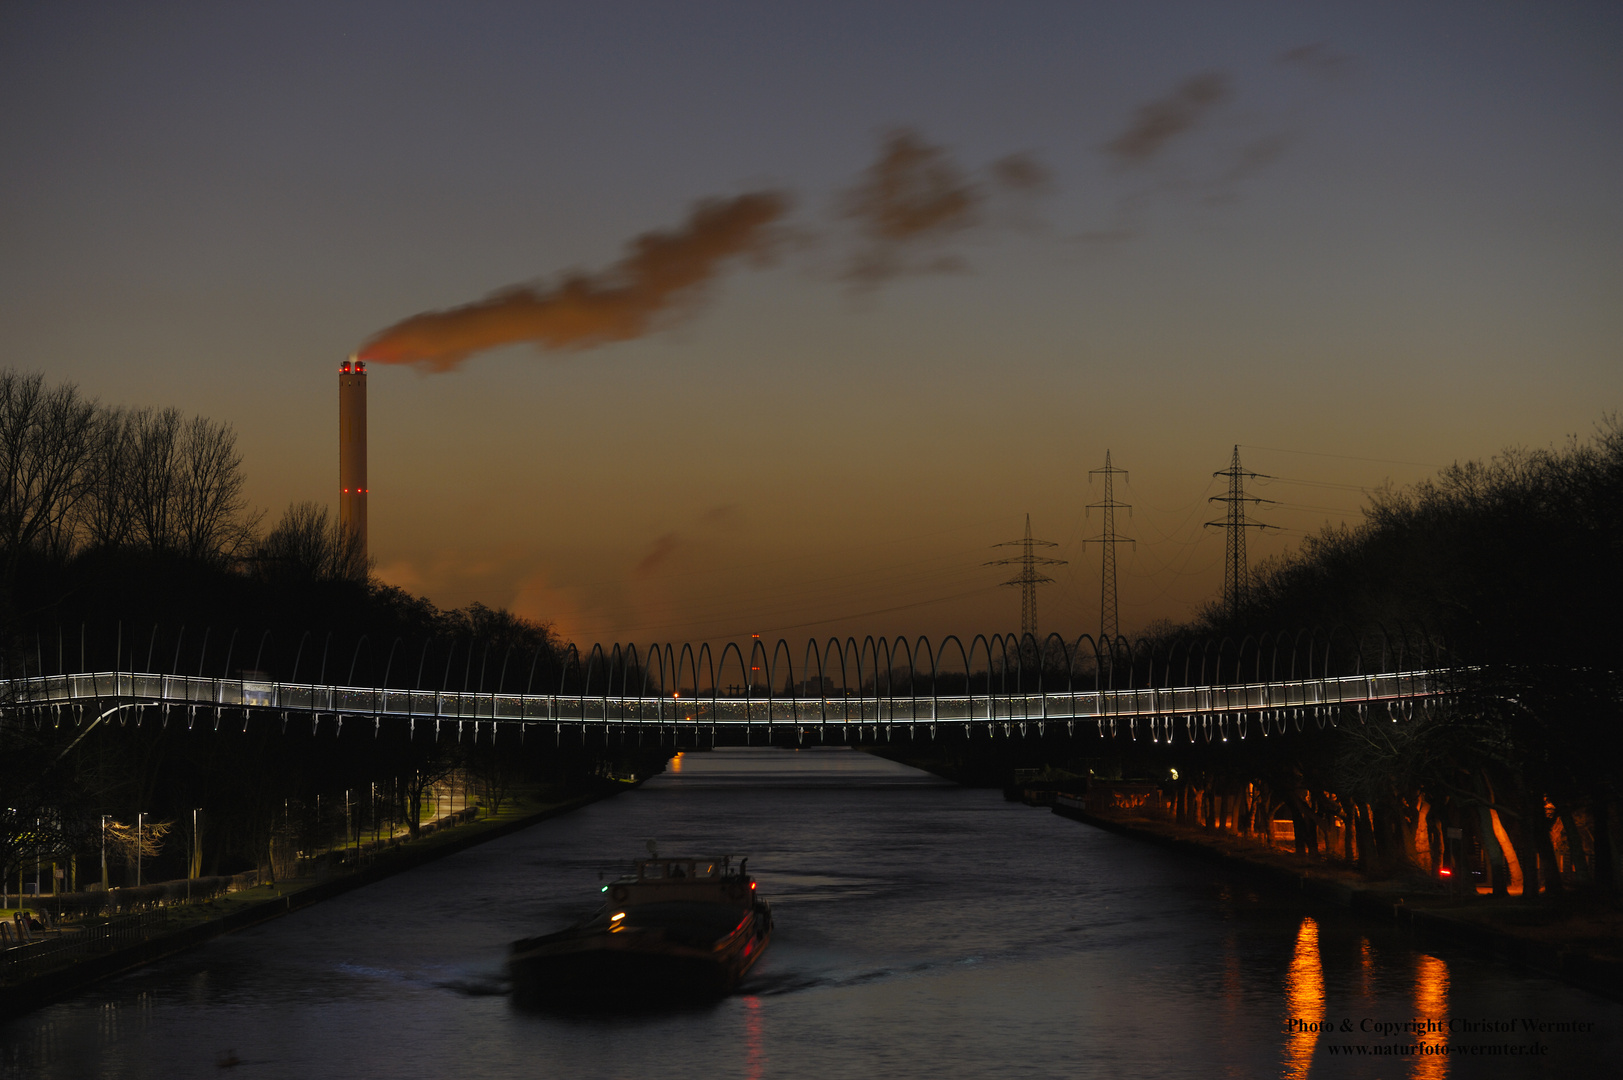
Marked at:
<point>841,694</point>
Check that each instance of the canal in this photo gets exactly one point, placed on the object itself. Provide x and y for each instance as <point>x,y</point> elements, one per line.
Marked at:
<point>923,930</point>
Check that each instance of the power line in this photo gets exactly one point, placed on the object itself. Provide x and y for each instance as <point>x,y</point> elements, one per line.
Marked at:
<point>1344,457</point>
<point>1109,608</point>
<point>1028,578</point>
<point>1234,524</point>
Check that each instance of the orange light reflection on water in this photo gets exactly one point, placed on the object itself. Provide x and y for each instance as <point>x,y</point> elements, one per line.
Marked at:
<point>1304,1002</point>
<point>1233,1005</point>
<point>1430,1003</point>
<point>754,1052</point>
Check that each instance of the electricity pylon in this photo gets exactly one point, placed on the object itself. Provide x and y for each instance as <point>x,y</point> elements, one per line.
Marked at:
<point>1234,524</point>
<point>1109,612</point>
<point>1028,578</point>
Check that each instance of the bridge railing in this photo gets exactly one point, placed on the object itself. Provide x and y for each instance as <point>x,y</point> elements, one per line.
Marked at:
<point>114,690</point>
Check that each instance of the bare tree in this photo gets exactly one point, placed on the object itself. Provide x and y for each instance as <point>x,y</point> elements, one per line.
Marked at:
<point>45,440</point>
<point>106,516</point>
<point>211,513</point>
<point>153,476</point>
<point>185,485</point>
<point>309,544</point>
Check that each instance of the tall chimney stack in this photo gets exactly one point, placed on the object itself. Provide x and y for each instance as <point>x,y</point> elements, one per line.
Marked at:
<point>352,489</point>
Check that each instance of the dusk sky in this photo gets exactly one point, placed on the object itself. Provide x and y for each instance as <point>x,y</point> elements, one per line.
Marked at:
<point>920,266</point>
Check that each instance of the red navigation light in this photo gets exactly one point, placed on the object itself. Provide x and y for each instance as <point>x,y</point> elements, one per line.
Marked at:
<point>343,369</point>
<point>752,886</point>
<point>1446,872</point>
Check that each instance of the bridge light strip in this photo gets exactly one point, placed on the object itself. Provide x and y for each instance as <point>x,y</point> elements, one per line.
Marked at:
<point>1195,703</point>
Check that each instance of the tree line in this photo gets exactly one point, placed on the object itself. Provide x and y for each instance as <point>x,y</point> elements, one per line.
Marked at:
<point>1510,572</point>
<point>127,540</point>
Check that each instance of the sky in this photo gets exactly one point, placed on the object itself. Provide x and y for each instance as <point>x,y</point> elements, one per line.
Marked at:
<point>692,321</point>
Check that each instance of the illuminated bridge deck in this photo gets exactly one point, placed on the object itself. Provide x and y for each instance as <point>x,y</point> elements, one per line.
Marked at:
<point>107,694</point>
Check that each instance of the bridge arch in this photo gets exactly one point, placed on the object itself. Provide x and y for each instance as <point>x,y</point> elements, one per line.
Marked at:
<point>772,676</point>
<point>354,659</point>
<point>812,649</point>
<point>721,673</point>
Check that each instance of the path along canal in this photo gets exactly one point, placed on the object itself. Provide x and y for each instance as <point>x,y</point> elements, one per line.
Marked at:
<point>924,930</point>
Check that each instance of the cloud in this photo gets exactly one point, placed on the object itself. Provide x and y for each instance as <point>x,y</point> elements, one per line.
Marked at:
<point>661,270</point>
<point>726,516</point>
<point>1251,158</point>
<point>402,574</point>
<point>1318,58</point>
<point>1158,122</point>
<point>723,518</point>
<point>910,199</point>
<point>1022,173</point>
<point>537,599</point>
<point>663,547</point>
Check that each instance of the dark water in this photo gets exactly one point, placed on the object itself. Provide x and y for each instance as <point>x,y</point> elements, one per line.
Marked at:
<point>923,931</point>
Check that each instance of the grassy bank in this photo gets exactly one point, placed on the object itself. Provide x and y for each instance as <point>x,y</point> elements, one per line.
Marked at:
<point>94,949</point>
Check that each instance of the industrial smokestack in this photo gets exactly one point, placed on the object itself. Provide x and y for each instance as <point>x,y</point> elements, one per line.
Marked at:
<point>352,489</point>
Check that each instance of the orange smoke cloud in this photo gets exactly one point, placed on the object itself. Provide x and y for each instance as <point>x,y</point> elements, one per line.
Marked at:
<point>660,271</point>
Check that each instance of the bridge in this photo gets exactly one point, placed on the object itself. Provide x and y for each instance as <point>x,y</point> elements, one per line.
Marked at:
<point>1200,708</point>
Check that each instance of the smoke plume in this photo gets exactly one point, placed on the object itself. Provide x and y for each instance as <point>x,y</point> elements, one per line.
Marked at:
<point>1158,122</point>
<point>663,548</point>
<point>661,270</point>
<point>1022,173</point>
<point>912,196</point>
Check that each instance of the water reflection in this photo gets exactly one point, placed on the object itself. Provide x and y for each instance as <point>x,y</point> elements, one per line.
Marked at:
<point>754,1052</point>
<point>1366,972</point>
<point>1304,1002</point>
<point>924,931</point>
<point>1430,1003</point>
<point>1234,1007</point>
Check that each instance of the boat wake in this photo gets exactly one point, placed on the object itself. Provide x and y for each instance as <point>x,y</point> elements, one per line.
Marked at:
<point>477,985</point>
<point>778,983</point>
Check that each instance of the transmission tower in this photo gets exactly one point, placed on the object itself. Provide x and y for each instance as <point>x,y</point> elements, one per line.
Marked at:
<point>1028,578</point>
<point>1109,612</point>
<point>1235,523</point>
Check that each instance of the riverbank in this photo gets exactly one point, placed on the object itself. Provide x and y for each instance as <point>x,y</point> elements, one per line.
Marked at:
<point>1573,939</point>
<point>145,937</point>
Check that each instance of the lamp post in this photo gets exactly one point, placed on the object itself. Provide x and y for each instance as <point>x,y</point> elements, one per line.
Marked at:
<point>104,853</point>
<point>140,827</point>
